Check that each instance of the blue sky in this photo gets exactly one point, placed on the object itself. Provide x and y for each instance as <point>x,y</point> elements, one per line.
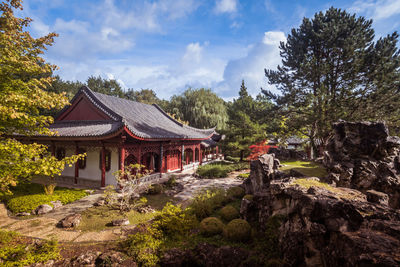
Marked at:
<point>169,45</point>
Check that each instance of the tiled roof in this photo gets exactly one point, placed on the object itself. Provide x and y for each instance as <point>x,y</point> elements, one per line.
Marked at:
<point>145,121</point>
<point>85,128</point>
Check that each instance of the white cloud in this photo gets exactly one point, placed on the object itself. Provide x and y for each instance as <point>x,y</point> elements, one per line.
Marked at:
<point>225,6</point>
<point>250,68</point>
<point>376,9</point>
<point>193,53</point>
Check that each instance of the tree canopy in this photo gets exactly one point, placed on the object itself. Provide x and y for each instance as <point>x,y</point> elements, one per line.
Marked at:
<point>202,108</point>
<point>23,76</point>
<point>332,69</point>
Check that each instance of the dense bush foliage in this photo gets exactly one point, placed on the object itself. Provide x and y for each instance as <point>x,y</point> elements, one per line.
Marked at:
<point>16,250</point>
<point>235,192</point>
<point>244,175</point>
<point>155,189</point>
<point>220,169</point>
<point>207,201</point>
<point>233,159</point>
<point>238,230</point>
<point>144,248</point>
<point>27,197</point>
<point>211,226</point>
<point>228,213</point>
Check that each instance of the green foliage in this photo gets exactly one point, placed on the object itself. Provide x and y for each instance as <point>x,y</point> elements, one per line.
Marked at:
<point>211,226</point>
<point>308,168</point>
<point>235,192</point>
<point>173,222</point>
<point>248,197</point>
<point>26,201</point>
<point>233,159</point>
<point>220,169</point>
<point>24,75</point>
<point>238,230</point>
<point>332,69</point>
<point>207,201</point>
<point>171,181</point>
<point>143,247</point>
<point>200,107</point>
<point>18,251</point>
<point>244,175</point>
<point>244,127</point>
<point>155,189</point>
<point>146,96</point>
<point>228,213</point>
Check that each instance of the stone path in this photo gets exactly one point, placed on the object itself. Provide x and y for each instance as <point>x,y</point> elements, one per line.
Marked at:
<point>45,226</point>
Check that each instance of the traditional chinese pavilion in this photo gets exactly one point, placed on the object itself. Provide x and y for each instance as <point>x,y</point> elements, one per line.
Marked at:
<point>115,132</point>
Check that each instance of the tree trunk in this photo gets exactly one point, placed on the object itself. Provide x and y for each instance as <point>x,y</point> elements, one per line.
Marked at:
<point>241,155</point>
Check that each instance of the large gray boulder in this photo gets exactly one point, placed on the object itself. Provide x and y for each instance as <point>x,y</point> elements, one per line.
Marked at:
<point>262,172</point>
<point>70,221</point>
<point>363,156</point>
<point>43,209</point>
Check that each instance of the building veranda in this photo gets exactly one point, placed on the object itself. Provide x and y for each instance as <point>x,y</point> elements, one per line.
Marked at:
<point>115,132</point>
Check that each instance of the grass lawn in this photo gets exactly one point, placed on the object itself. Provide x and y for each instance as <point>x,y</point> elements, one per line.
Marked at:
<point>99,218</point>
<point>307,168</point>
<point>27,196</point>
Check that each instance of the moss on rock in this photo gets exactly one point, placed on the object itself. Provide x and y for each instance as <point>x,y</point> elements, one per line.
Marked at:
<point>229,213</point>
<point>211,226</point>
<point>238,230</point>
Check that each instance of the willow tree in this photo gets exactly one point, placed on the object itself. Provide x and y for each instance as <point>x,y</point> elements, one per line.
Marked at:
<point>332,69</point>
<point>202,108</point>
<point>24,75</point>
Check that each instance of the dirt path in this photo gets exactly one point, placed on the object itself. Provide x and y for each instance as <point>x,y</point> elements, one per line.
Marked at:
<point>45,226</point>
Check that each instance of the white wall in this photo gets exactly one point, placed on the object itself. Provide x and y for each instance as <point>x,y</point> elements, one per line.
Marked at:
<point>92,170</point>
<point>110,179</point>
<point>69,171</point>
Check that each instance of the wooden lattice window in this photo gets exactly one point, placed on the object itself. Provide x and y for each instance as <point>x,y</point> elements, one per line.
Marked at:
<point>60,153</point>
<point>107,159</point>
<point>82,161</point>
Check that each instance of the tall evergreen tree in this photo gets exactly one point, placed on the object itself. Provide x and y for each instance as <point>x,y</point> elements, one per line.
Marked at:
<point>105,86</point>
<point>331,69</point>
<point>243,128</point>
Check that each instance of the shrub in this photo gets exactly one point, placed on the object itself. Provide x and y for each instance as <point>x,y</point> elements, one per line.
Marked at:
<point>27,203</point>
<point>211,226</point>
<point>228,213</point>
<point>155,189</point>
<point>235,192</point>
<point>171,181</point>
<point>19,251</point>
<point>173,222</point>
<point>248,197</point>
<point>206,201</point>
<point>238,230</point>
<point>233,159</point>
<point>213,171</point>
<point>243,175</point>
<point>143,247</point>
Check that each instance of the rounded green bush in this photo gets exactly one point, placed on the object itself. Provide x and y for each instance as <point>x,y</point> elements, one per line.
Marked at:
<point>211,226</point>
<point>238,230</point>
<point>229,213</point>
<point>248,197</point>
<point>235,192</point>
<point>155,189</point>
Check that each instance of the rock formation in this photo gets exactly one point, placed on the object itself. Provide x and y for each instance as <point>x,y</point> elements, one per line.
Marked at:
<point>323,225</point>
<point>362,155</point>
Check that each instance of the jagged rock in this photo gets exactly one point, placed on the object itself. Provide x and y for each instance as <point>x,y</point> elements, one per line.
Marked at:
<point>363,156</point>
<point>145,209</point>
<point>42,209</point>
<point>111,258</point>
<point>210,255</point>
<point>327,226</point>
<point>86,259</point>
<point>377,197</point>
<point>56,204</point>
<point>261,173</point>
<point>100,202</point>
<point>176,257</point>
<point>23,214</point>
<point>294,173</point>
<point>71,221</point>
<point>120,222</point>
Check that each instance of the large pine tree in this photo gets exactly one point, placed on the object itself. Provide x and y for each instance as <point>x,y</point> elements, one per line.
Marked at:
<point>332,69</point>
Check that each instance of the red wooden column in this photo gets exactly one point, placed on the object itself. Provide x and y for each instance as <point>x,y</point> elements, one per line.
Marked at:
<point>76,164</point>
<point>103,166</point>
<point>200,155</point>
<point>216,151</point>
<point>193,153</point>
<point>122,153</point>
<point>181,156</point>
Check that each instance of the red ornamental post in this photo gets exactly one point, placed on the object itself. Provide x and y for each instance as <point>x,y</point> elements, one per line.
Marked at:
<point>76,164</point>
